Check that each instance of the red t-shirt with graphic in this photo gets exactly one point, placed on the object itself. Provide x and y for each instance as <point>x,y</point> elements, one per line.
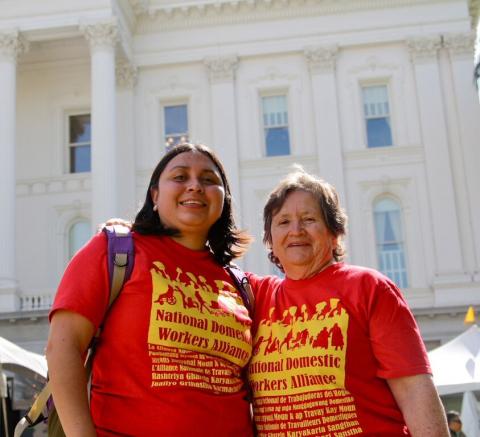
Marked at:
<point>170,357</point>
<point>323,348</point>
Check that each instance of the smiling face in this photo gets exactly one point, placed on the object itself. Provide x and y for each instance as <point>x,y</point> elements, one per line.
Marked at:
<point>189,197</point>
<point>300,238</point>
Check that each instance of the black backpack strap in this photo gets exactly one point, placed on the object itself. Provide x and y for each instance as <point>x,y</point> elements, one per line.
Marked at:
<point>240,279</point>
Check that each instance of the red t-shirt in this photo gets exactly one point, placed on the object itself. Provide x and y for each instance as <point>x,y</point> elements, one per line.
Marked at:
<point>170,358</point>
<point>322,350</point>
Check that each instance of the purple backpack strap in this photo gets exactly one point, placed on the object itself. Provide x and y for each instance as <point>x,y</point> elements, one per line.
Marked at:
<point>243,285</point>
<point>121,257</point>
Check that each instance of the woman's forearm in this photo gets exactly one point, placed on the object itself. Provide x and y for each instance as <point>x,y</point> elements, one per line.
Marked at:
<point>67,375</point>
<point>421,407</point>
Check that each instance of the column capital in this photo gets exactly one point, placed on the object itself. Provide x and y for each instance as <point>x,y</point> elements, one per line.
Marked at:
<point>459,43</point>
<point>12,44</point>
<point>321,58</point>
<point>424,48</point>
<point>221,69</point>
<point>102,34</point>
<point>126,74</point>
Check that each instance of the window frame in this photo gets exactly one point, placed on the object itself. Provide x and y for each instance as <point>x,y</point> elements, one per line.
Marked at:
<point>402,242</point>
<point>69,145</point>
<point>274,93</point>
<point>370,84</point>
<point>168,103</point>
<point>69,253</point>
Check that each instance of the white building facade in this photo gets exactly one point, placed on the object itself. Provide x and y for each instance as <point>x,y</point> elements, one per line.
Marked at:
<point>375,96</point>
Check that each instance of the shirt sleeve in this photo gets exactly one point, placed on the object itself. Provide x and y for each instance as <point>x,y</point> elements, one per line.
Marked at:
<point>395,336</point>
<point>85,285</point>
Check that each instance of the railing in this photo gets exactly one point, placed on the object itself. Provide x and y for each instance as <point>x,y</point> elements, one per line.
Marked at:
<point>392,264</point>
<point>36,302</point>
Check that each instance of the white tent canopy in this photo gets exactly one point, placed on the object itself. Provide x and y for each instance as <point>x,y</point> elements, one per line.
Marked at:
<point>19,360</point>
<point>456,364</point>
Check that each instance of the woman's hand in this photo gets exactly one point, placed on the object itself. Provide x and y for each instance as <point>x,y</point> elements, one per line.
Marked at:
<point>114,221</point>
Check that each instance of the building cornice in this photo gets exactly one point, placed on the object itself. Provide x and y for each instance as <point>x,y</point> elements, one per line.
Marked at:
<point>187,13</point>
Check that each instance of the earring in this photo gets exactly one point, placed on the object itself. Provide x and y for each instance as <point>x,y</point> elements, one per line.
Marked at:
<point>155,207</point>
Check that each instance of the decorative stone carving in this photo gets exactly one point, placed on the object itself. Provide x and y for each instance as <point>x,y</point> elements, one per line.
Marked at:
<point>139,7</point>
<point>12,44</point>
<point>322,58</point>
<point>221,69</point>
<point>459,43</point>
<point>424,48</point>
<point>126,74</point>
<point>105,34</point>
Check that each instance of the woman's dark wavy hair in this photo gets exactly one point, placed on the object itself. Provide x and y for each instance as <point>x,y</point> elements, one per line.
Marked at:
<point>224,239</point>
<point>325,194</point>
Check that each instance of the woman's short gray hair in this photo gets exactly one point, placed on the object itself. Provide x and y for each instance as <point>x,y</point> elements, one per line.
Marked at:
<point>333,215</point>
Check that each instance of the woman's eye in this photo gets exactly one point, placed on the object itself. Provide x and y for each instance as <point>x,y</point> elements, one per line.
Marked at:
<point>179,177</point>
<point>308,219</point>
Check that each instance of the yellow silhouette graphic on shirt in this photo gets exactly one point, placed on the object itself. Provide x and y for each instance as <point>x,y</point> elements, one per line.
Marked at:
<point>190,313</point>
<point>300,349</point>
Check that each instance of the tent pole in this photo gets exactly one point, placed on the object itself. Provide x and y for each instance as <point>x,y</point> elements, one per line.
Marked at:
<point>5,417</point>
<point>3,395</point>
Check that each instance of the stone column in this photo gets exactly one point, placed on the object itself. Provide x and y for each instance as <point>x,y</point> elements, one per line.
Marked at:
<point>443,212</point>
<point>224,119</point>
<point>321,61</point>
<point>460,47</point>
<point>126,76</point>
<point>11,45</point>
<point>103,38</point>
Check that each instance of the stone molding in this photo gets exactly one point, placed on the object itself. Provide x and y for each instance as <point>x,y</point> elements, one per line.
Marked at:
<point>12,44</point>
<point>459,43</point>
<point>221,69</point>
<point>321,58</point>
<point>45,186</point>
<point>126,74</point>
<point>183,14</point>
<point>103,34</point>
<point>424,48</point>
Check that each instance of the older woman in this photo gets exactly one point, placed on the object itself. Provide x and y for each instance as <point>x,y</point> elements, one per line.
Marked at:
<point>337,352</point>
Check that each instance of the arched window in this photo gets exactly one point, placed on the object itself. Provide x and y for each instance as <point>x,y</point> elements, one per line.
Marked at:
<point>390,241</point>
<point>78,235</point>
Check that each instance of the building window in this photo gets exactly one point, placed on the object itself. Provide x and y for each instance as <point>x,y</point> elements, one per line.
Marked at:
<point>389,238</point>
<point>377,116</point>
<point>175,121</point>
<point>78,235</point>
<point>275,125</point>
<point>80,143</point>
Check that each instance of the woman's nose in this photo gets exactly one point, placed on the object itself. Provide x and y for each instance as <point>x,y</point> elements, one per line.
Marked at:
<point>195,185</point>
<point>296,227</point>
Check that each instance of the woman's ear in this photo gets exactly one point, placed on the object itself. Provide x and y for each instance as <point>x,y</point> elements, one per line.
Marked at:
<point>154,194</point>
